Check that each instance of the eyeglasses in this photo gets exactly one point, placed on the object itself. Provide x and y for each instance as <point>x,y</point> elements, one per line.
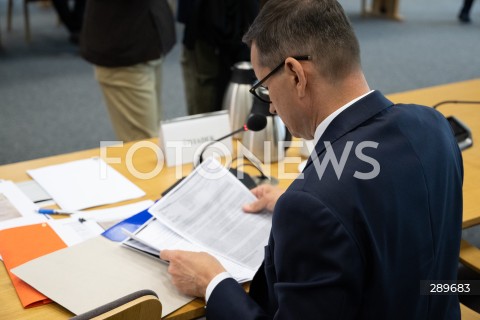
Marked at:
<point>258,84</point>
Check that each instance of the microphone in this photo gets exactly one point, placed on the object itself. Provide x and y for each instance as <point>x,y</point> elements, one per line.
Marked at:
<point>462,133</point>
<point>255,122</point>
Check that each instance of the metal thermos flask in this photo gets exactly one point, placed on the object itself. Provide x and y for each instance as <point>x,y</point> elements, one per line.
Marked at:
<point>238,100</point>
<point>268,145</point>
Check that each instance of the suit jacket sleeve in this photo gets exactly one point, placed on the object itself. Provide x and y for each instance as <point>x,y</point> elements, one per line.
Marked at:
<point>313,266</point>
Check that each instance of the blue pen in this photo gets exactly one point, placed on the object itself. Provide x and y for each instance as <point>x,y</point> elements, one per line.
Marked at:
<point>54,211</point>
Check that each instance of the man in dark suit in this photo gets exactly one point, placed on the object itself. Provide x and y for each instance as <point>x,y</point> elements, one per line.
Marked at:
<point>126,41</point>
<point>378,207</point>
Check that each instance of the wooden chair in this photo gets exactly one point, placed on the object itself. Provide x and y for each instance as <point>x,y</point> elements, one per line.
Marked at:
<point>470,256</point>
<point>468,314</point>
<point>26,17</point>
<point>141,305</point>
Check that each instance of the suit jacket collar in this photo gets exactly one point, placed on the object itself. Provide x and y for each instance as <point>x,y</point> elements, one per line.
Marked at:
<point>349,119</point>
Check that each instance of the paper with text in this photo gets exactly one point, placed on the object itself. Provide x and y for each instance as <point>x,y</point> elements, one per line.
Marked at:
<point>157,237</point>
<point>72,231</point>
<point>206,209</point>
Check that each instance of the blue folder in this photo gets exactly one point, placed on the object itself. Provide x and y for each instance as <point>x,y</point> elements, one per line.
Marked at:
<point>131,224</point>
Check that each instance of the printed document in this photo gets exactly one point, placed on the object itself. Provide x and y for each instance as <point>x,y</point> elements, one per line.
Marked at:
<point>154,237</point>
<point>73,231</point>
<point>206,209</point>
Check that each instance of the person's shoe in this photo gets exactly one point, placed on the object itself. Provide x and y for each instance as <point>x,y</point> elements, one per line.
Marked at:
<point>464,17</point>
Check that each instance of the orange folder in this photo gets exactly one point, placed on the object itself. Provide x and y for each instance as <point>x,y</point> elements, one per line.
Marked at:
<point>22,244</point>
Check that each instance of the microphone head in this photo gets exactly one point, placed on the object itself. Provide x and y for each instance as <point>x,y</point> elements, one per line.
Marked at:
<point>256,122</point>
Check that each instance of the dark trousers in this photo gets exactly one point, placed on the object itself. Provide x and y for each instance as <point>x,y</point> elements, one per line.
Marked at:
<point>467,5</point>
<point>71,17</point>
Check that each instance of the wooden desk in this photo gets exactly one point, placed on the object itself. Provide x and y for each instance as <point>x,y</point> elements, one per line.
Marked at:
<point>145,160</point>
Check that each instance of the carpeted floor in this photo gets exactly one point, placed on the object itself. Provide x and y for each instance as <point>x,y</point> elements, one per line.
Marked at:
<point>51,104</point>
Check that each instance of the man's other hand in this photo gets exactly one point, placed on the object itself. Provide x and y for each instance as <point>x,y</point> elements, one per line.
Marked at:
<point>191,271</point>
<point>267,196</point>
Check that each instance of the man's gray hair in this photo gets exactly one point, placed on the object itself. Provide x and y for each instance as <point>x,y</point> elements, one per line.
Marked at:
<point>319,28</point>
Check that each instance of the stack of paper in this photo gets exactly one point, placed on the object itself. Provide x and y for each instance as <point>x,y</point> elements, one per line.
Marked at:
<point>155,236</point>
<point>26,235</point>
<point>204,213</point>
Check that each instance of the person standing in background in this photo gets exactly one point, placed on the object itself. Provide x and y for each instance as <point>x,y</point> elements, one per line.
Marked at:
<point>126,41</point>
<point>212,44</point>
<point>71,17</point>
<point>464,15</point>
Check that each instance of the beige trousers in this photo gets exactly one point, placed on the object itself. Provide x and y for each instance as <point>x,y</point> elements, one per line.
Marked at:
<point>133,98</point>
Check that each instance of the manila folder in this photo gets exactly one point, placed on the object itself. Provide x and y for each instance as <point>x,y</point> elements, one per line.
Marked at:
<point>98,271</point>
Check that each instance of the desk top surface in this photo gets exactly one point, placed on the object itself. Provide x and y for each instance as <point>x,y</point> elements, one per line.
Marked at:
<point>145,160</point>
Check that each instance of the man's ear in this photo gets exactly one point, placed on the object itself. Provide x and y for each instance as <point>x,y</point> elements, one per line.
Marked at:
<point>298,75</point>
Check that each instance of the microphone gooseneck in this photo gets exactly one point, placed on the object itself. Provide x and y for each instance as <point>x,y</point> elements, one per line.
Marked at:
<point>255,122</point>
<point>435,106</point>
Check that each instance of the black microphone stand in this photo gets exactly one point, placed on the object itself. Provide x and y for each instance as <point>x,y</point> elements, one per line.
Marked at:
<point>462,133</point>
<point>200,158</point>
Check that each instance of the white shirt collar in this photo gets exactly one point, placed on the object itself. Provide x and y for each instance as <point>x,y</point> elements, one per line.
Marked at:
<point>326,122</point>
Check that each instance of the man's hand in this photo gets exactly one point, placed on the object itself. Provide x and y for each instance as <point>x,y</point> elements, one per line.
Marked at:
<point>191,271</point>
<point>267,196</point>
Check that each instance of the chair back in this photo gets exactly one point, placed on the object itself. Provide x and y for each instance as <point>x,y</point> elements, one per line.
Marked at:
<point>140,305</point>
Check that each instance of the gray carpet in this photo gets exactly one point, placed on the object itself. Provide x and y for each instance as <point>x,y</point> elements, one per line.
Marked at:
<point>51,104</point>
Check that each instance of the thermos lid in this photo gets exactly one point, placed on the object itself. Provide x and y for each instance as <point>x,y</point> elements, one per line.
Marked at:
<point>242,73</point>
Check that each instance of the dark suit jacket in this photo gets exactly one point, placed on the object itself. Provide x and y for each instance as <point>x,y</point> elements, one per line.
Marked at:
<point>118,33</point>
<point>346,248</point>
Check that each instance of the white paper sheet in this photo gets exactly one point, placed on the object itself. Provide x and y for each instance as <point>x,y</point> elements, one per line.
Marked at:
<point>206,209</point>
<point>72,231</point>
<point>158,237</point>
<point>84,184</point>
